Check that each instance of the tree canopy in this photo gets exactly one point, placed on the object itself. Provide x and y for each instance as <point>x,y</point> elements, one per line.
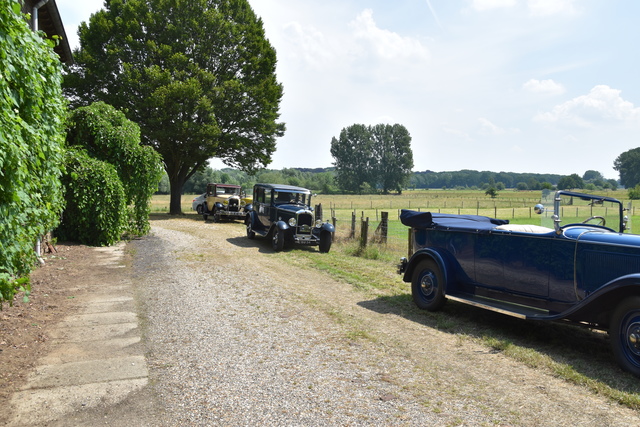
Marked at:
<point>628,164</point>
<point>370,157</point>
<point>198,76</point>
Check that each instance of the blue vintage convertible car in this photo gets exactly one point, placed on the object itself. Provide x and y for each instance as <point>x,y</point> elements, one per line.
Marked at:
<point>576,265</point>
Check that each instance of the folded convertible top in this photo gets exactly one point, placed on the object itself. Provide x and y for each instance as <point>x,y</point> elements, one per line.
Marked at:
<point>417,219</point>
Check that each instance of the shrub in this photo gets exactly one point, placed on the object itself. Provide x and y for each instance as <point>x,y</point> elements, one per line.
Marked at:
<point>106,134</point>
<point>96,211</point>
<point>32,111</point>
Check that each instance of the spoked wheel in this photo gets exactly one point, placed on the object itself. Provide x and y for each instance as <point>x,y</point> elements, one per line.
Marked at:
<point>427,286</point>
<point>278,240</point>
<point>625,335</point>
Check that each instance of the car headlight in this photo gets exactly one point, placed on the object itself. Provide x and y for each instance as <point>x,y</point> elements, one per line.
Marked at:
<point>292,222</point>
<point>318,223</point>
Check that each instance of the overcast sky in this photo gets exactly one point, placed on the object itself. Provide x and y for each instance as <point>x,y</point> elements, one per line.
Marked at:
<point>546,86</point>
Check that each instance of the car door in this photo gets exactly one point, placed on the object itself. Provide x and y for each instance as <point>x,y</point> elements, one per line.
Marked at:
<point>264,207</point>
<point>513,262</point>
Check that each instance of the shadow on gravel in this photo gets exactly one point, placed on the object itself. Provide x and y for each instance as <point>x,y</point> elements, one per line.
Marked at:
<point>587,352</point>
<point>264,245</point>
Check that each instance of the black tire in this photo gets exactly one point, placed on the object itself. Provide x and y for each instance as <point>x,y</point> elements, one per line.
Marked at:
<point>205,216</point>
<point>250,233</point>
<point>277,240</point>
<point>199,209</point>
<point>325,241</point>
<point>216,215</point>
<point>624,332</point>
<point>427,286</point>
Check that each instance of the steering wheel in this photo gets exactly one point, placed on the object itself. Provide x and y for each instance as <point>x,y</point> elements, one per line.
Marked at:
<point>602,220</point>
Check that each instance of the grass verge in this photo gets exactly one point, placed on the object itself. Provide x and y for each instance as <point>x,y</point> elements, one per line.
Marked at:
<point>576,355</point>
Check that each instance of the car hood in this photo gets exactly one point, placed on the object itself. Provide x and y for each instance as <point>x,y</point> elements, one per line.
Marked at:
<point>589,234</point>
<point>295,208</point>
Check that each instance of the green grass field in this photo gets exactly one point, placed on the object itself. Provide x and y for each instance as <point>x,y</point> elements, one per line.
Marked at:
<point>516,206</point>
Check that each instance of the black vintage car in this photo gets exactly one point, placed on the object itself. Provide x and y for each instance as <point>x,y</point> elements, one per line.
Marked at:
<point>284,213</point>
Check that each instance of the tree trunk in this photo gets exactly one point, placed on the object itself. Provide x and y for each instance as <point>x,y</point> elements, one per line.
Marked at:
<point>175,207</point>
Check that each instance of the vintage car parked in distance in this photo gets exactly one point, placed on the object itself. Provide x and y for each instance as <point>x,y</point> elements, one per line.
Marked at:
<point>581,268</point>
<point>197,204</point>
<point>225,201</point>
<point>284,213</point>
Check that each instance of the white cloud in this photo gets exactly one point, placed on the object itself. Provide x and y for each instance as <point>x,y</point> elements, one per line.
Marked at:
<point>602,104</point>
<point>384,43</point>
<point>551,7</point>
<point>489,128</point>
<point>481,5</point>
<point>457,133</point>
<point>307,44</point>
<point>545,87</point>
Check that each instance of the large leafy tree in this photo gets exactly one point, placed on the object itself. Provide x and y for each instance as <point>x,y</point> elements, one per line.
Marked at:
<point>372,157</point>
<point>353,155</point>
<point>628,164</point>
<point>198,76</point>
<point>392,152</point>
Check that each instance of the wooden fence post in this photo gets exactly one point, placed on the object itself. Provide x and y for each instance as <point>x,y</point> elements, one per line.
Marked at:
<point>352,234</point>
<point>364,233</point>
<point>334,220</point>
<point>384,226</point>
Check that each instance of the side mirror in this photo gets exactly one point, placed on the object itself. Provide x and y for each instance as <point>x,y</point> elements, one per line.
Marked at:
<point>539,209</point>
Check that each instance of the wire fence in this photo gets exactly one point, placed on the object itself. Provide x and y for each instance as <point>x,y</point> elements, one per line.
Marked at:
<point>379,226</point>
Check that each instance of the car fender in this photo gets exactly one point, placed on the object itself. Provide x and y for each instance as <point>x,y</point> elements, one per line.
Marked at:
<point>599,304</point>
<point>327,226</point>
<point>219,205</point>
<point>281,225</point>
<point>427,253</point>
<point>248,207</point>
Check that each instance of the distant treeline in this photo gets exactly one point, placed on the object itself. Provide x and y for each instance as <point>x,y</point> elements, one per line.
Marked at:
<point>472,178</point>
<point>321,180</point>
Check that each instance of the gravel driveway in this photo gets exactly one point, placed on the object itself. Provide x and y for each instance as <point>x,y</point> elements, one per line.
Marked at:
<point>234,336</point>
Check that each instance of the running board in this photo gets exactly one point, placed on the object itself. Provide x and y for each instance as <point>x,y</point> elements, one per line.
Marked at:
<point>510,309</point>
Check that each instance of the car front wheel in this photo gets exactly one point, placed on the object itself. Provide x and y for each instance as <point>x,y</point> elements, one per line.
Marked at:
<point>427,286</point>
<point>325,241</point>
<point>625,335</point>
<point>278,240</point>
<point>250,233</point>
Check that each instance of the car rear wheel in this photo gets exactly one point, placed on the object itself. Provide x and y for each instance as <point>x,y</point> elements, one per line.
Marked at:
<point>625,335</point>
<point>325,241</point>
<point>427,286</point>
<point>278,240</point>
<point>199,209</point>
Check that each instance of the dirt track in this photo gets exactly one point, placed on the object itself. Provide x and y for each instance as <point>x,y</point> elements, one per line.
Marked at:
<point>235,336</point>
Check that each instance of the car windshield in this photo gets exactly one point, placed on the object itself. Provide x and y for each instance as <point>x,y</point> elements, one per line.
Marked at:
<point>574,208</point>
<point>292,197</point>
<point>228,190</point>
